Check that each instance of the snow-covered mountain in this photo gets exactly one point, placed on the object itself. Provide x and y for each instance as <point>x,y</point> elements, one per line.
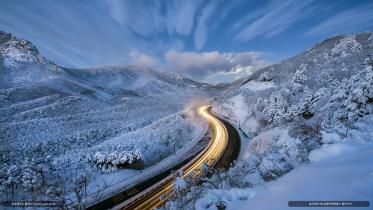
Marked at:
<point>57,123</point>
<point>22,65</point>
<point>314,106</point>
<point>62,128</point>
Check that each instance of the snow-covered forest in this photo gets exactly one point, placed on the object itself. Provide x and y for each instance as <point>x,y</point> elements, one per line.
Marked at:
<point>66,133</point>
<point>316,106</point>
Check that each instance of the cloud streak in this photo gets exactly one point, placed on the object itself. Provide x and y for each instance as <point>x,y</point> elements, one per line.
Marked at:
<point>275,18</point>
<point>147,18</point>
<point>201,28</point>
<point>359,18</point>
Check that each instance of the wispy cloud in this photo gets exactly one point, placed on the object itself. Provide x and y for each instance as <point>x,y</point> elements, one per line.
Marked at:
<point>350,20</point>
<point>275,18</point>
<point>141,20</point>
<point>211,16</point>
<point>201,29</point>
<point>180,16</point>
<point>148,18</point>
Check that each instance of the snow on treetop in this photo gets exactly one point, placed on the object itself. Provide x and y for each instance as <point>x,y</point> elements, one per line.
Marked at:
<point>346,46</point>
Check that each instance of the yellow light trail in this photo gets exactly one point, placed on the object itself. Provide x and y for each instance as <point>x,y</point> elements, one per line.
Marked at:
<point>211,153</point>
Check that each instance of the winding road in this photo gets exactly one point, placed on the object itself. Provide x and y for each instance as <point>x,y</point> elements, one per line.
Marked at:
<point>222,149</point>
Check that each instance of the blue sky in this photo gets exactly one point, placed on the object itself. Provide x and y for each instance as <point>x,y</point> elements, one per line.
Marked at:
<point>213,41</point>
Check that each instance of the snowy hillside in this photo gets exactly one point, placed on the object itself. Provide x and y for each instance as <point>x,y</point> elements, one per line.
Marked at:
<point>317,104</point>
<point>59,127</point>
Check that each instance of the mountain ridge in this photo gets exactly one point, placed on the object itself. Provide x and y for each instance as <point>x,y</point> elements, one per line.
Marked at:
<point>22,64</point>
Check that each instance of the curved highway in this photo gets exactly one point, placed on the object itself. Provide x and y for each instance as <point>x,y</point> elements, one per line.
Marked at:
<point>223,148</point>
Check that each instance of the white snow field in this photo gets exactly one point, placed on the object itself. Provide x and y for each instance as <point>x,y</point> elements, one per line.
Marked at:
<point>346,175</point>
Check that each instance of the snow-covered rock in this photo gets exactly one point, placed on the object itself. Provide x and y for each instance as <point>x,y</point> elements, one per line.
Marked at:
<point>15,51</point>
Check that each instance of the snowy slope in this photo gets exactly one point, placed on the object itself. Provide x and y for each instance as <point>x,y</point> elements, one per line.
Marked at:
<point>342,175</point>
<point>58,125</point>
<point>325,89</point>
<point>321,97</point>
